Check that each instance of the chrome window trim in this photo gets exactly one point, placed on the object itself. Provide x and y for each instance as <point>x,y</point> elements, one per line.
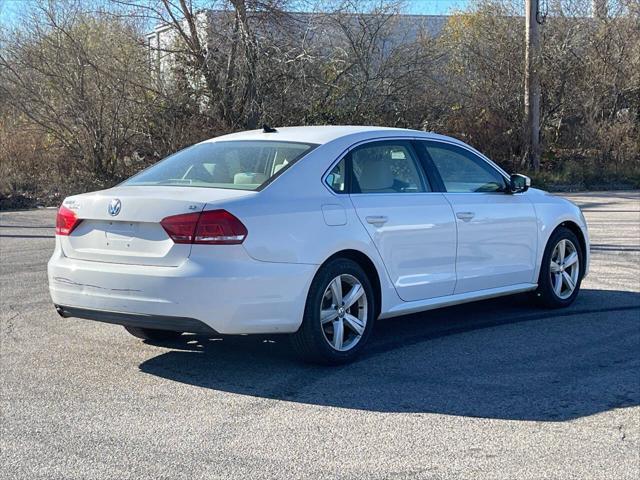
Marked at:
<point>455,143</point>
<point>363,142</point>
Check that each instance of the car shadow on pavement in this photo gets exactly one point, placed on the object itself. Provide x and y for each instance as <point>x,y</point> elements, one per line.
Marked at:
<point>498,359</point>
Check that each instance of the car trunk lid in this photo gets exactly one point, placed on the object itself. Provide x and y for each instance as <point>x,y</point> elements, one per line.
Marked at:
<point>122,225</point>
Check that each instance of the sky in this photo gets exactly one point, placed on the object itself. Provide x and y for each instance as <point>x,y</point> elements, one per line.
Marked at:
<point>10,9</point>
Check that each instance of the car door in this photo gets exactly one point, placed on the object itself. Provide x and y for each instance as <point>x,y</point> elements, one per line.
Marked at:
<point>412,227</point>
<point>497,231</point>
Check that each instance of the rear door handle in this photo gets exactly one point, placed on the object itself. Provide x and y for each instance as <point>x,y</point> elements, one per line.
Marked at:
<point>465,216</point>
<point>377,220</point>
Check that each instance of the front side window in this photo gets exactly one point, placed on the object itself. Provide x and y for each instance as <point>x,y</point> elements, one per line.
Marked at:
<point>462,171</point>
<point>238,164</point>
<point>386,167</point>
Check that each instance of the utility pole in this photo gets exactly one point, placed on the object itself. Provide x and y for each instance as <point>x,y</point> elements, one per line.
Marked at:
<point>532,86</point>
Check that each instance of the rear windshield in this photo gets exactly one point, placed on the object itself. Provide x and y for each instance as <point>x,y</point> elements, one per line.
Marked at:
<point>240,164</point>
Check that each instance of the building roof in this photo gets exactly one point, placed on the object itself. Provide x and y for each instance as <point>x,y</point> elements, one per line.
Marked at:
<point>406,23</point>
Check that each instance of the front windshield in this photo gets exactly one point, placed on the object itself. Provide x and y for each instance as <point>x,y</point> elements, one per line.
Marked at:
<point>239,164</point>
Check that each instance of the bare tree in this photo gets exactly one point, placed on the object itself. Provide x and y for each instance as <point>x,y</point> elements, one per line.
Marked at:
<point>88,95</point>
<point>78,80</point>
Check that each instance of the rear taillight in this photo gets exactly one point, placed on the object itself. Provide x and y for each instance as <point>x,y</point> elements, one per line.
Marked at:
<point>219,227</point>
<point>66,221</point>
<point>181,227</point>
<point>212,227</point>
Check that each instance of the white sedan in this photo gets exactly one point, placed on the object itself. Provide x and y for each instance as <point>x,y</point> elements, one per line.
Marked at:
<point>311,231</point>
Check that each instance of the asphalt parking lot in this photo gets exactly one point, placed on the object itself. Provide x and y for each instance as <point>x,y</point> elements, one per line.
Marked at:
<point>497,389</point>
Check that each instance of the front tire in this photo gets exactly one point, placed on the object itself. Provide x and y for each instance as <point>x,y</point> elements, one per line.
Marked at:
<point>561,270</point>
<point>153,334</point>
<point>338,316</point>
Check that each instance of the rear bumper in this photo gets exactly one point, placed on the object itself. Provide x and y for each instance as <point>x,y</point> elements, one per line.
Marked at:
<point>159,322</point>
<point>223,288</point>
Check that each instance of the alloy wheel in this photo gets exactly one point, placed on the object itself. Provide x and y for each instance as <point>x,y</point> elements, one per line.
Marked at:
<point>564,269</point>
<point>343,312</point>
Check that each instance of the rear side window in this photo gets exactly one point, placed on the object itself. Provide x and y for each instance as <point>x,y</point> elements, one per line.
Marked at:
<point>386,167</point>
<point>462,171</point>
<point>238,164</point>
<point>337,178</point>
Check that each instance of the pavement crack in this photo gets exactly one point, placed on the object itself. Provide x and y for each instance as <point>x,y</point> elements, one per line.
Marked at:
<point>9,324</point>
<point>623,434</point>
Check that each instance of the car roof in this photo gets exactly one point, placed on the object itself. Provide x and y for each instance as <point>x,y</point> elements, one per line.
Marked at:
<point>322,134</point>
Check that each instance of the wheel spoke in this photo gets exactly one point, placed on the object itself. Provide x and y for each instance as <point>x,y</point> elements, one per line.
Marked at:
<point>557,283</point>
<point>336,290</point>
<point>327,316</point>
<point>561,250</point>
<point>354,294</point>
<point>338,334</point>
<point>568,281</point>
<point>570,260</point>
<point>354,323</point>
<point>555,268</point>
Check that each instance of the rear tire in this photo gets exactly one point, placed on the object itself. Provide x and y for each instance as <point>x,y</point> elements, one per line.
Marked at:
<point>338,316</point>
<point>152,334</point>
<point>561,270</point>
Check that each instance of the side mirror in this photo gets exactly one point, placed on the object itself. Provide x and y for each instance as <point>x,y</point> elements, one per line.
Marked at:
<point>519,183</point>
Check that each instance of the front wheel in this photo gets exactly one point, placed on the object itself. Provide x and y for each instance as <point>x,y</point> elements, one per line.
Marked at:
<point>338,316</point>
<point>561,270</point>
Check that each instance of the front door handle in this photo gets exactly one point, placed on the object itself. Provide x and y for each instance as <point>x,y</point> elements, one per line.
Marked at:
<point>465,216</point>
<point>377,220</point>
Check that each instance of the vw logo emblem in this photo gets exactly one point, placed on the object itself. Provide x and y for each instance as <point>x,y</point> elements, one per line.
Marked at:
<point>114,207</point>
